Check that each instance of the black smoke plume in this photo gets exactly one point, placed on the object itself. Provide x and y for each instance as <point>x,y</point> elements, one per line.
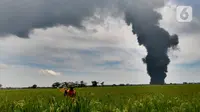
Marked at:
<point>155,39</point>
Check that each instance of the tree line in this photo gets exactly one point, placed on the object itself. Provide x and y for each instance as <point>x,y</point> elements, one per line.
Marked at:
<point>93,84</point>
<point>76,84</point>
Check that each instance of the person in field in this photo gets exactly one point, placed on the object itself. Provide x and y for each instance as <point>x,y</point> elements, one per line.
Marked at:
<point>71,92</point>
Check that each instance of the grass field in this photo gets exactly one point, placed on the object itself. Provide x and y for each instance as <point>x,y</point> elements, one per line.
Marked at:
<point>168,98</point>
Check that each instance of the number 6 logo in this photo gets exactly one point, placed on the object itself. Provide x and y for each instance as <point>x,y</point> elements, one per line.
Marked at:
<point>184,14</point>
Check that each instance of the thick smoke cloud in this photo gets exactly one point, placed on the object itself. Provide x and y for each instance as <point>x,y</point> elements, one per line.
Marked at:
<point>155,39</point>
<point>19,17</point>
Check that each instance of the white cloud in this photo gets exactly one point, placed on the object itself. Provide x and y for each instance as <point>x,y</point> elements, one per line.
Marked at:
<point>109,40</point>
<point>49,73</point>
<point>73,52</point>
<point>3,66</point>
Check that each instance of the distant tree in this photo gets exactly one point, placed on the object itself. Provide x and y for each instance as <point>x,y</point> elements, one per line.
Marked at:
<point>121,84</point>
<point>102,83</point>
<point>64,84</point>
<point>34,86</point>
<point>82,84</point>
<point>1,85</point>
<point>184,82</point>
<point>94,83</point>
<point>56,84</point>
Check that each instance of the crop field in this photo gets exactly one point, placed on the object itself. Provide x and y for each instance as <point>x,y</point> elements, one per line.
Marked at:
<point>167,98</point>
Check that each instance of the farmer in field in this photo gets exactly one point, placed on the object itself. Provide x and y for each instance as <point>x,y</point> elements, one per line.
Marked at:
<point>70,92</point>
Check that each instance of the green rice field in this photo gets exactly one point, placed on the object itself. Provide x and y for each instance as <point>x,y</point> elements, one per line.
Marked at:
<point>166,98</point>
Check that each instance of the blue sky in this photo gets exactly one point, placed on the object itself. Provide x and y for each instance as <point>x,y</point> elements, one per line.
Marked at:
<point>108,52</point>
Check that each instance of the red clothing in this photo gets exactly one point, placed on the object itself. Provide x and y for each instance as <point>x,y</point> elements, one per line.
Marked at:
<point>70,93</point>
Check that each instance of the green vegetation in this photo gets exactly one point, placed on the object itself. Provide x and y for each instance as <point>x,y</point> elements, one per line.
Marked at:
<point>167,98</point>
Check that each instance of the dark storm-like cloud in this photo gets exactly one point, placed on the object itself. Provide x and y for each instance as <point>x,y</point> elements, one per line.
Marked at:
<point>19,17</point>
